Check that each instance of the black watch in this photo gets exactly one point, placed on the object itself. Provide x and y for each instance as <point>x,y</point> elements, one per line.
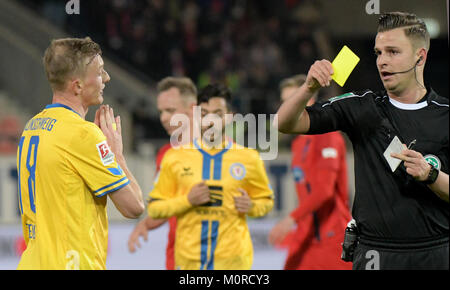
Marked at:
<point>432,175</point>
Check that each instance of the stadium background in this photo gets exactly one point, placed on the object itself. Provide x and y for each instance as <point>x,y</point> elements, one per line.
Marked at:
<point>248,44</point>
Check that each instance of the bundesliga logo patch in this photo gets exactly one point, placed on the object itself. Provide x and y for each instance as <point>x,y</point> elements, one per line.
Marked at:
<point>106,155</point>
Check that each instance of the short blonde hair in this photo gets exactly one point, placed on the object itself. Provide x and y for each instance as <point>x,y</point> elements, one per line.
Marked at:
<point>68,57</point>
<point>294,81</point>
<point>185,86</point>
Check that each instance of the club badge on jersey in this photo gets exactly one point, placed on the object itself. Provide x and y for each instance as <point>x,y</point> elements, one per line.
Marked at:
<point>237,171</point>
<point>299,175</point>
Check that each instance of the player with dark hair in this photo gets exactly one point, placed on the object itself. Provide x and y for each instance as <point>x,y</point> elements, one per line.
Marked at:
<point>401,212</point>
<point>211,187</point>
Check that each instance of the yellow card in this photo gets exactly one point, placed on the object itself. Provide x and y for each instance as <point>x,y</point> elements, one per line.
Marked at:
<point>343,65</point>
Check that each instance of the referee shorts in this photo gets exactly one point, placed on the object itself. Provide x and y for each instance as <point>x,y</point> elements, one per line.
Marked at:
<point>377,255</point>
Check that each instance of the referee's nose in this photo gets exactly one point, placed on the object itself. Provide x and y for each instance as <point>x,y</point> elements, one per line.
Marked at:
<point>381,61</point>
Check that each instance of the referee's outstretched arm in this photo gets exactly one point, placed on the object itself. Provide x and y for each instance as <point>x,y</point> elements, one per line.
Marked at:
<point>292,116</point>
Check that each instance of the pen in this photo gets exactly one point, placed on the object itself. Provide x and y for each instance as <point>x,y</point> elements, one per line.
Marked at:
<point>413,142</point>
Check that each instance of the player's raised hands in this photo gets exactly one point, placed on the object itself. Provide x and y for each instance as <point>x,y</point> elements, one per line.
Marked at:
<point>319,75</point>
<point>111,127</point>
<point>199,194</point>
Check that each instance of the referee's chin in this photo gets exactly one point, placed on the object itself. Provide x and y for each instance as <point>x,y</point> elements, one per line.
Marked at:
<point>391,88</point>
<point>394,86</point>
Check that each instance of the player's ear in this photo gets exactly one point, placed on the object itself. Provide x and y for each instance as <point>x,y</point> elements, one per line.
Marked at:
<point>75,86</point>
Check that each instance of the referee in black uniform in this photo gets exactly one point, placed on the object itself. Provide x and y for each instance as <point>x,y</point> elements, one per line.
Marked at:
<point>401,213</point>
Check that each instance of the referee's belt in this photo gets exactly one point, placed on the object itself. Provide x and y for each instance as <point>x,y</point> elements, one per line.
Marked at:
<point>383,243</point>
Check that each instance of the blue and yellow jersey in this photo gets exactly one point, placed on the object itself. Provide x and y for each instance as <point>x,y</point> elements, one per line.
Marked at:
<point>66,170</point>
<point>214,235</point>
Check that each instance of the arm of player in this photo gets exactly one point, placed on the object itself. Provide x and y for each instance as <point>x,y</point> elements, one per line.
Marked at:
<point>419,168</point>
<point>322,185</point>
<point>280,230</point>
<point>260,207</point>
<point>255,207</point>
<point>162,209</point>
<point>258,195</point>
<point>166,208</point>
<point>128,199</point>
<point>141,230</point>
<point>291,116</point>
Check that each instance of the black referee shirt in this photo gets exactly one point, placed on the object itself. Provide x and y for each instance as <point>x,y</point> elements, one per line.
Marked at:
<point>391,205</point>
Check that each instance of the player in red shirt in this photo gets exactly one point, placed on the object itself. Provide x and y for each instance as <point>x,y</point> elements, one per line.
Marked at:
<point>320,174</point>
<point>176,95</point>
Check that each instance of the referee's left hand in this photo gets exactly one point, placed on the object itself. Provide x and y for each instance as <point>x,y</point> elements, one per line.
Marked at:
<point>415,163</point>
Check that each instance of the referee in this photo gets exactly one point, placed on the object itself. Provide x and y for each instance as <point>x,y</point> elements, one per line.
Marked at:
<point>401,213</point>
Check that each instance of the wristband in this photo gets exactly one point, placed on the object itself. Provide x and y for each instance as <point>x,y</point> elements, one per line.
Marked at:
<point>432,175</point>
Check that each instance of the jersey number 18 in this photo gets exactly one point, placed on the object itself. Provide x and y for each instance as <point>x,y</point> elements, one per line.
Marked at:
<point>31,167</point>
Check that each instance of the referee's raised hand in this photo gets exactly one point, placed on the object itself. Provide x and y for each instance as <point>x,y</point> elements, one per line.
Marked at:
<point>319,75</point>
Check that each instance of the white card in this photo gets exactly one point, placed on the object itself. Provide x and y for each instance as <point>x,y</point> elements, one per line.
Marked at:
<point>395,146</point>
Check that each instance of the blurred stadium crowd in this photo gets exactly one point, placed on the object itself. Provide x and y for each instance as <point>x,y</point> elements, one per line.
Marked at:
<point>249,45</point>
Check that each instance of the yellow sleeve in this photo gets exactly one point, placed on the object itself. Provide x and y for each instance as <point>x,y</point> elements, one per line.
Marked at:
<point>259,189</point>
<point>261,207</point>
<point>164,202</point>
<point>92,158</point>
<point>159,209</point>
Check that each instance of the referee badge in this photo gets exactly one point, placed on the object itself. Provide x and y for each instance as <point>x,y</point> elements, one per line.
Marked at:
<point>433,160</point>
<point>237,171</point>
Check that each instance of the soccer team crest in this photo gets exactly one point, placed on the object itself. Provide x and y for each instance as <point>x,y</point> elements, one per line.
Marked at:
<point>237,171</point>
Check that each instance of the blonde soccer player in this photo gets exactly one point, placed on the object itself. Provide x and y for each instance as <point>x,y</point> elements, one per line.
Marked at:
<point>68,166</point>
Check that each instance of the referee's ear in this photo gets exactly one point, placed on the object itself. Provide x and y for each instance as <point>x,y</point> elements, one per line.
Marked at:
<point>422,53</point>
